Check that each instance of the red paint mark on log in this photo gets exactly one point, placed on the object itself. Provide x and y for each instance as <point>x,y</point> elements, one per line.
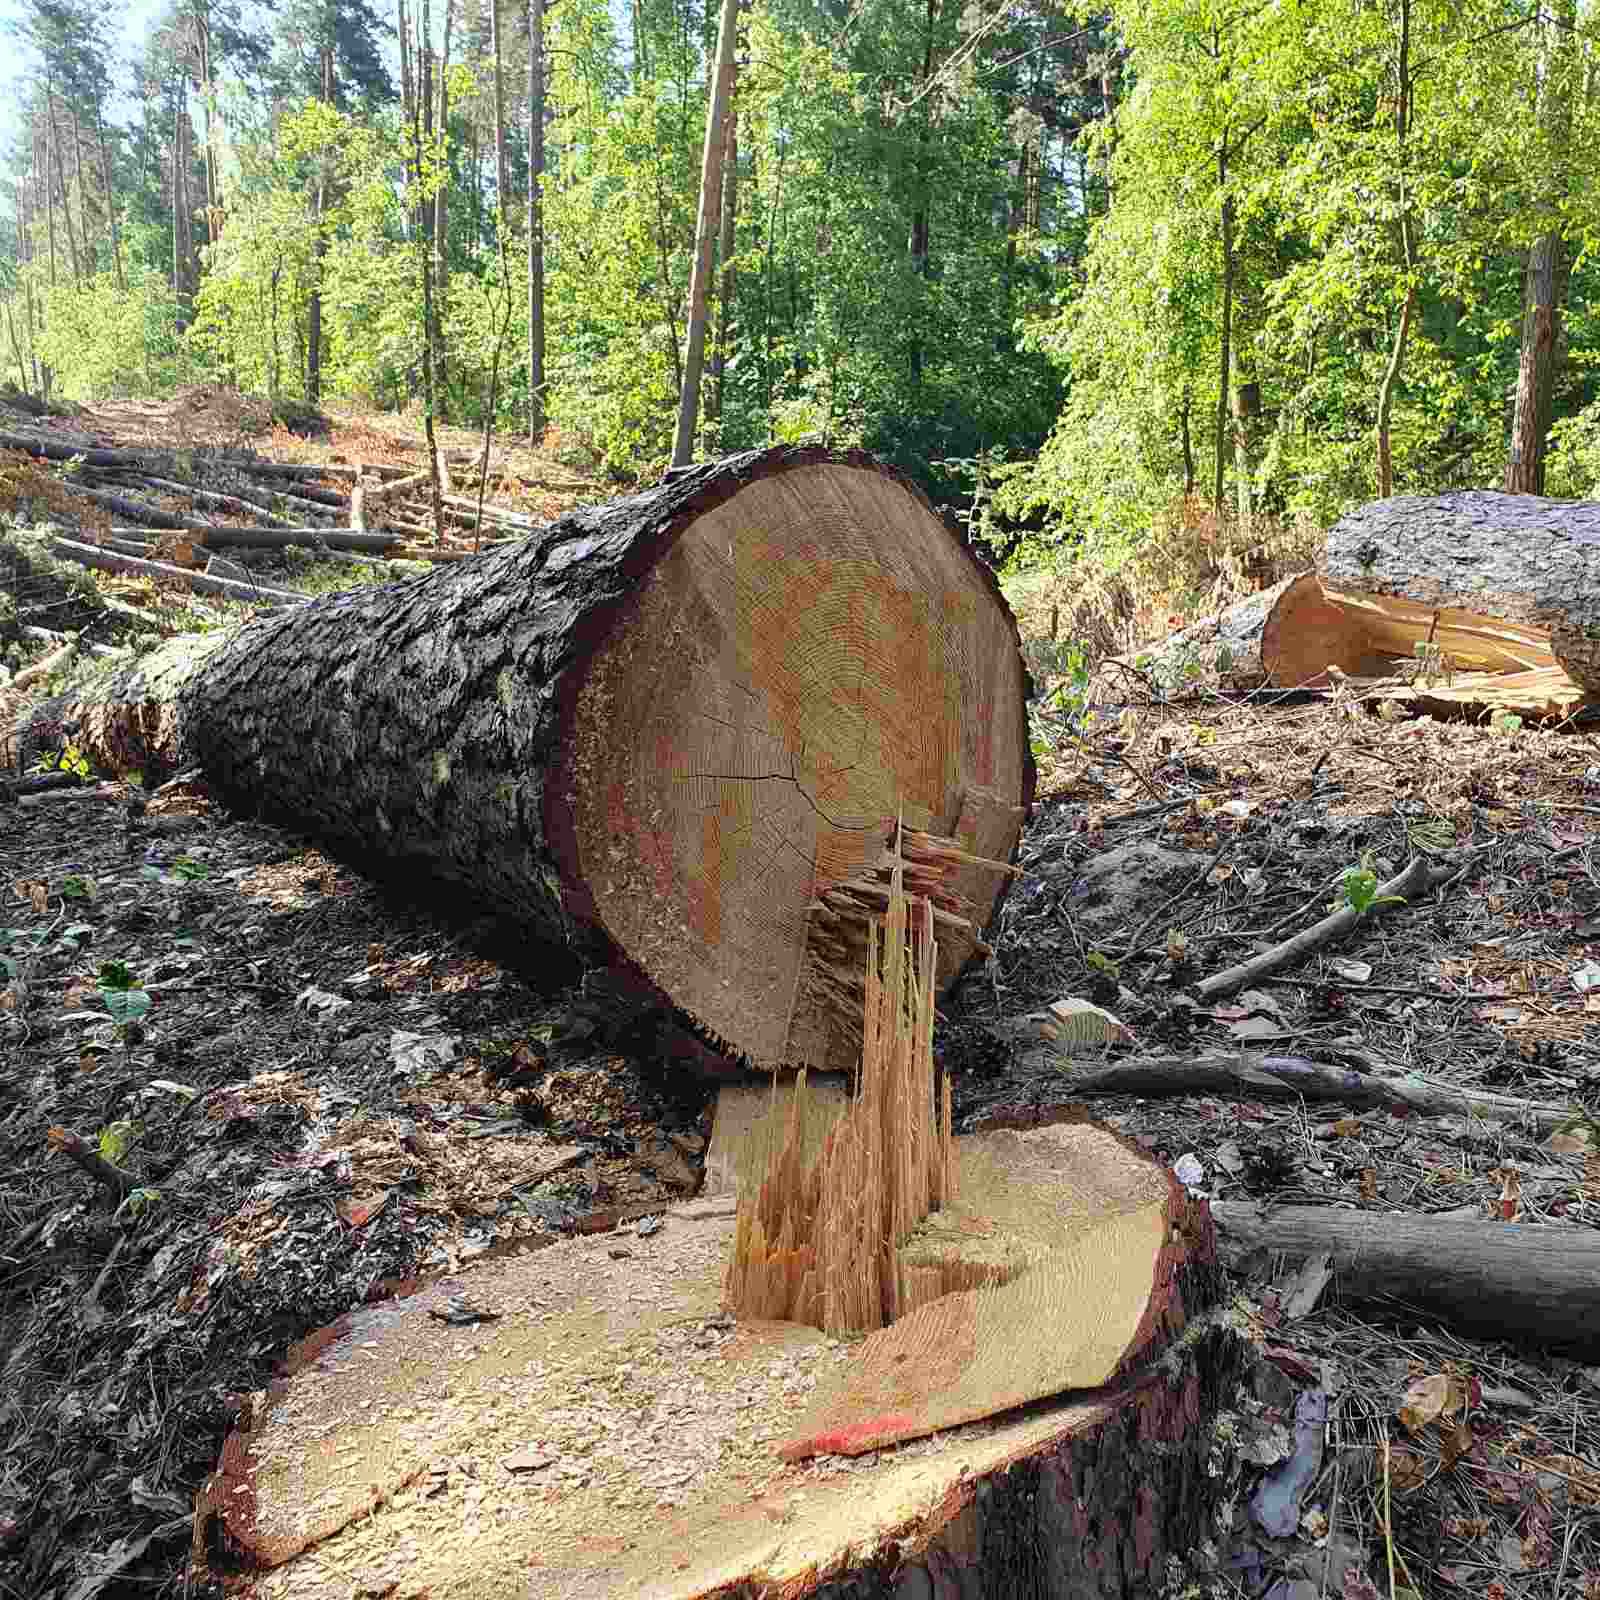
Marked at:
<point>869,1434</point>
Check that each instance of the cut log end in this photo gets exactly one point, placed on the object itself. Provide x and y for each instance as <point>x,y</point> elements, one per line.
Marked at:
<point>814,657</point>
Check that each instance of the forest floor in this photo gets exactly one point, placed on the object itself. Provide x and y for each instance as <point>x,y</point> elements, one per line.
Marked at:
<point>338,1088</point>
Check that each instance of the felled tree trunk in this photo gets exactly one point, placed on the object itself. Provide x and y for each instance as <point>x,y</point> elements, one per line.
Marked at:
<point>665,727</point>
<point>1493,588</point>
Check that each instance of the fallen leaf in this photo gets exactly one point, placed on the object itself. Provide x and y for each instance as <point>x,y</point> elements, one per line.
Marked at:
<point>1427,1399</point>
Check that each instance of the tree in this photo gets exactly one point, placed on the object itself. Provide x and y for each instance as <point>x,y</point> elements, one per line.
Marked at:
<point>1560,69</point>
<point>706,231</point>
<point>536,113</point>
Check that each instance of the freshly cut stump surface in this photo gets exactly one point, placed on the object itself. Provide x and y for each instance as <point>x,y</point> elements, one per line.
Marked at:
<point>614,1432</point>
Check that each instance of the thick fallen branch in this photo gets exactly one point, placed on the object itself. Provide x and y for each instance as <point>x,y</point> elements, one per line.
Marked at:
<point>277,537</point>
<point>1505,1280</point>
<point>1254,1074</point>
<point>1417,879</point>
<point>90,555</point>
<point>137,511</point>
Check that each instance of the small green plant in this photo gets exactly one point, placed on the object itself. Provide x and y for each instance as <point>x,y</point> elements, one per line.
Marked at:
<point>1506,723</point>
<point>117,1139</point>
<point>190,870</point>
<point>1101,963</point>
<point>77,887</point>
<point>71,759</point>
<point>138,1202</point>
<point>1360,885</point>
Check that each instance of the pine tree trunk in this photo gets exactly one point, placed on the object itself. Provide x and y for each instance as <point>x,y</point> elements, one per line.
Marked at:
<point>705,235</point>
<point>441,228</point>
<point>725,250</point>
<point>664,726</point>
<point>1545,283</point>
<point>536,335</point>
<point>502,193</point>
<point>1225,358</point>
<point>111,199</point>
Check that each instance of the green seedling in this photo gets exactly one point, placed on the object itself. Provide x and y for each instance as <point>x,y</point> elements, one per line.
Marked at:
<point>1360,885</point>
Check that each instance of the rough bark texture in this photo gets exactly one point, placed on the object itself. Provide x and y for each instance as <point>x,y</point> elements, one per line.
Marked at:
<point>663,725</point>
<point>1504,1280</point>
<point>1480,557</point>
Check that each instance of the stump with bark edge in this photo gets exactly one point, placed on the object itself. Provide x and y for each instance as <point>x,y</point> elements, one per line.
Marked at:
<point>662,730</point>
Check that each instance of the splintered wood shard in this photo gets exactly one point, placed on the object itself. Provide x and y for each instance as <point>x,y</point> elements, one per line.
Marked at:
<point>1014,1266</point>
<point>817,1241</point>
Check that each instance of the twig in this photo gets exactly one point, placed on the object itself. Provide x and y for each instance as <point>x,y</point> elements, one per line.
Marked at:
<point>91,1161</point>
<point>1417,879</point>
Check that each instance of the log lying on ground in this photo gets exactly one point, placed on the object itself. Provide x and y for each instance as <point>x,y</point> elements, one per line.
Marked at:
<point>666,727</point>
<point>105,560</point>
<point>1499,587</point>
<point>1506,1280</point>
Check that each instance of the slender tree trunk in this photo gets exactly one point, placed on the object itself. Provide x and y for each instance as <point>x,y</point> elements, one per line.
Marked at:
<point>1188,444</point>
<point>111,198</point>
<point>408,84</point>
<point>319,251</point>
<point>441,221</point>
<point>1225,359</point>
<point>177,207</point>
<point>49,200</point>
<point>83,195</point>
<point>1545,281</point>
<point>58,166</point>
<point>424,261</point>
<point>920,228</point>
<point>725,254</point>
<point>536,339</point>
<point>502,193</point>
<point>705,233</point>
<point>1408,261</point>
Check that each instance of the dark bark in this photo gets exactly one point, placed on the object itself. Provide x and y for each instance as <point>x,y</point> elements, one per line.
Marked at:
<point>1500,1280</point>
<point>640,730</point>
<point>1094,1515</point>
<point>1544,294</point>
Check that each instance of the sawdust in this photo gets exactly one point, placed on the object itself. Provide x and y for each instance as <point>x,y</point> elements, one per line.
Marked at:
<point>610,1432</point>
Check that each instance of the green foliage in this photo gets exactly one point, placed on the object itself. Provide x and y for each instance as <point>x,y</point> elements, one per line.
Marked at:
<point>117,1139</point>
<point>104,342</point>
<point>68,759</point>
<point>1360,887</point>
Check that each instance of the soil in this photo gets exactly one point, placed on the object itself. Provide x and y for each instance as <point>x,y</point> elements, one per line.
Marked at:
<point>341,1088</point>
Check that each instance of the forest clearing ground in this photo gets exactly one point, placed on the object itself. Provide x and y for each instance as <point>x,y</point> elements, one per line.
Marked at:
<point>337,1089</point>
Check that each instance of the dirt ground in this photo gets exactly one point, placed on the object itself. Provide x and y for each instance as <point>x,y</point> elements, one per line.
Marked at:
<point>333,1087</point>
